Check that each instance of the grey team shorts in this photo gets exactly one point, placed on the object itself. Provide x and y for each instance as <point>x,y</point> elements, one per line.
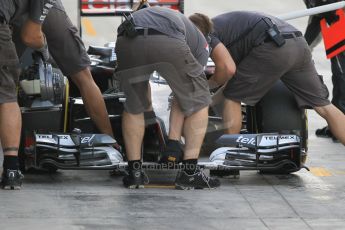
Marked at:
<point>64,42</point>
<point>265,64</point>
<point>9,66</point>
<point>172,59</point>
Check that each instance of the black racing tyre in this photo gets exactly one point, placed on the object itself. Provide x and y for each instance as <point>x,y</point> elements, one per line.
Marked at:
<point>278,112</point>
<point>154,139</point>
<point>50,168</point>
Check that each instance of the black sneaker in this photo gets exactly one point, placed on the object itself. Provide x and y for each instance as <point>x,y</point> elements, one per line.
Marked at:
<point>11,179</point>
<point>173,153</point>
<point>335,140</point>
<point>196,181</point>
<point>135,179</point>
<point>324,132</point>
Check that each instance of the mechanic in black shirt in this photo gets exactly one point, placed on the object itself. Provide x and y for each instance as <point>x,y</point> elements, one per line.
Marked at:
<point>313,37</point>
<point>10,117</point>
<point>265,49</point>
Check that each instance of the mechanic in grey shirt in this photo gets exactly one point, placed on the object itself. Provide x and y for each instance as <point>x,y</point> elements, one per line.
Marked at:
<point>69,53</point>
<point>179,27</point>
<point>169,43</point>
<point>173,152</point>
<point>265,49</point>
<point>246,31</point>
<point>37,9</point>
<point>10,122</point>
<point>31,33</point>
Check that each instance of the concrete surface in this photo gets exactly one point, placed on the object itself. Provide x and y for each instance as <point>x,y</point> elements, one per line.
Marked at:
<point>95,200</point>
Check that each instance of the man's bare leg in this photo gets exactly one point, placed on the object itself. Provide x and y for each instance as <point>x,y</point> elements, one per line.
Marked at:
<point>173,152</point>
<point>335,119</point>
<point>10,130</point>
<point>232,116</point>
<point>176,121</point>
<point>93,100</point>
<point>194,130</point>
<point>10,127</point>
<point>133,128</point>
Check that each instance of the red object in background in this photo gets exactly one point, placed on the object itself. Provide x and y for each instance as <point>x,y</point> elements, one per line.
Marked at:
<point>96,6</point>
<point>334,35</point>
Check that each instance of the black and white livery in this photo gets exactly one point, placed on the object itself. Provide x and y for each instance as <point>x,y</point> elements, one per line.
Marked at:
<point>261,152</point>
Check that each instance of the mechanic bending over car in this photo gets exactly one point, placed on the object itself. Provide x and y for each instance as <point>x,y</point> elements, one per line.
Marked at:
<point>265,49</point>
<point>68,51</point>
<point>173,153</point>
<point>313,37</point>
<point>161,39</point>
<point>10,115</point>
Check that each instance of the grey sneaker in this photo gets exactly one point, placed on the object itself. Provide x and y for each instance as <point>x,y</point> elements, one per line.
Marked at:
<point>196,181</point>
<point>12,179</point>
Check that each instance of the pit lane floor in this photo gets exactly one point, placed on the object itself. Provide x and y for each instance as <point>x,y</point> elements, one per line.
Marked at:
<point>96,200</point>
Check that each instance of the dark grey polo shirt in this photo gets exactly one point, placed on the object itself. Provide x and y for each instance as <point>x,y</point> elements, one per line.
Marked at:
<point>174,24</point>
<point>36,9</point>
<point>240,31</point>
<point>7,9</point>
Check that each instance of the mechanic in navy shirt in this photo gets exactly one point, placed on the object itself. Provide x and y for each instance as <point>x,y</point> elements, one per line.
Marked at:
<point>10,122</point>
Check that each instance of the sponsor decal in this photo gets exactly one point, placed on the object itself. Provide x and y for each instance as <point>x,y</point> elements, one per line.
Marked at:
<point>46,9</point>
<point>87,140</point>
<point>64,137</point>
<point>251,141</point>
<point>285,137</point>
<point>244,140</point>
<point>44,136</point>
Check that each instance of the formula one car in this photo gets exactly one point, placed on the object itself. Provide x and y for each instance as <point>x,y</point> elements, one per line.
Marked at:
<point>58,134</point>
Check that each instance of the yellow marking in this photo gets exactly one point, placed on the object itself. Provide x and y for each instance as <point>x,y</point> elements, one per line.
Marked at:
<point>171,158</point>
<point>339,172</point>
<point>89,29</point>
<point>320,172</point>
<point>160,186</point>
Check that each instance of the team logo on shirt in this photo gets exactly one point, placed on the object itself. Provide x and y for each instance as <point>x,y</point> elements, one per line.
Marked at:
<point>208,48</point>
<point>47,6</point>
